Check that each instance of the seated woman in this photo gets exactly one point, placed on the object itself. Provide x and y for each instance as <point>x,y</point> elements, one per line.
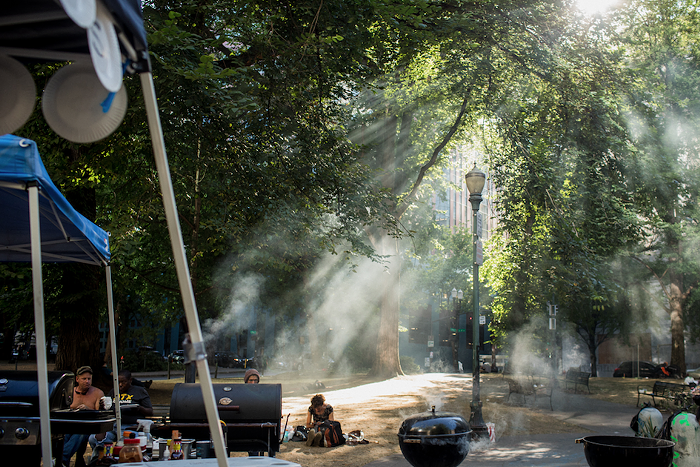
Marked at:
<point>318,413</point>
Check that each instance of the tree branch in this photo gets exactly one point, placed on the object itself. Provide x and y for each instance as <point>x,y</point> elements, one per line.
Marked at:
<point>164,287</point>
<point>403,206</point>
<point>658,279</point>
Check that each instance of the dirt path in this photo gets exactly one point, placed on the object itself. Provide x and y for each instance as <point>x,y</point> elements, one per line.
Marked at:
<point>379,408</point>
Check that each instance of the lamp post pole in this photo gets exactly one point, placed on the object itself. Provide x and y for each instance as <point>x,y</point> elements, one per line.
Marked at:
<point>475,180</point>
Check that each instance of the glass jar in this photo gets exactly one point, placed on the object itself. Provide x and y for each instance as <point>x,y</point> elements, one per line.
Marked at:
<point>131,452</point>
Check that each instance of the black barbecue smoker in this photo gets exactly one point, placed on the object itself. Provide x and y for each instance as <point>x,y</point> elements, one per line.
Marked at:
<point>251,415</point>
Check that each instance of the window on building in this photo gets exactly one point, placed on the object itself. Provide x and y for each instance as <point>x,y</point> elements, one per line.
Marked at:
<point>419,326</point>
<point>448,327</point>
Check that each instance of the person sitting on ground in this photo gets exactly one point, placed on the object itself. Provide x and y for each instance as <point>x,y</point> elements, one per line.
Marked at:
<point>139,406</point>
<point>85,397</point>
<point>318,413</point>
<point>252,376</point>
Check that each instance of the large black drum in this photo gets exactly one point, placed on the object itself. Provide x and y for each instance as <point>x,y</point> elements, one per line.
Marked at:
<point>616,451</point>
<point>434,439</point>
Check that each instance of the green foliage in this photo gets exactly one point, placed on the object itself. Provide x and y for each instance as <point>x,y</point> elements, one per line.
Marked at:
<point>663,111</point>
<point>296,130</point>
<point>409,365</point>
<point>136,361</point>
<point>557,155</point>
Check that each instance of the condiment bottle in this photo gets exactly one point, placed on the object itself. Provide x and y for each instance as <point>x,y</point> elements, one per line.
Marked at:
<point>131,452</point>
<point>100,453</point>
<point>109,450</point>
<point>177,453</point>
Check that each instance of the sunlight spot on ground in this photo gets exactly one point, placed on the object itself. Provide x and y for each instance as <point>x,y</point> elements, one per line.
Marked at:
<point>424,386</point>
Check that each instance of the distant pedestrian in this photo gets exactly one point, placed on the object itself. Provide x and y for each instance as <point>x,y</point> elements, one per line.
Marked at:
<point>251,376</point>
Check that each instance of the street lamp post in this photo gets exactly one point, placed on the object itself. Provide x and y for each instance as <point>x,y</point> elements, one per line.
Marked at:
<point>475,180</point>
<point>457,297</point>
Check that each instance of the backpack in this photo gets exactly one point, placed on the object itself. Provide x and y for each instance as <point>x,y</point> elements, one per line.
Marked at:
<point>648,422</point>
<point>332,433</point>
<point>300,434</point>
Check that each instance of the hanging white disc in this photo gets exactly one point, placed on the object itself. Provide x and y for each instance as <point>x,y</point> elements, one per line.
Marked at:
<point>17,95</point>
<point>82,12</point>
<point>104,51</point>
<point>73,104</point>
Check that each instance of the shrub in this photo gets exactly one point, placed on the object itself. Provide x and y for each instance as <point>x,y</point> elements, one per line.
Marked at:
<point>409,365</point>
<point>137,362</point>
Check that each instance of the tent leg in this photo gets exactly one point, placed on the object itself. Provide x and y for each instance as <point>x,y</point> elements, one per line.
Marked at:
<point>181,267</point>
<point>39,326</point>
<point>113,334</point>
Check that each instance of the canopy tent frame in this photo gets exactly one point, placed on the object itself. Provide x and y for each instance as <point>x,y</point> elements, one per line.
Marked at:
<point>78,245</point>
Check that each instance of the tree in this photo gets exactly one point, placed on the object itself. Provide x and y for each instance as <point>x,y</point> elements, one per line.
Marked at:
<point>558,161</point>
<point>437,89</point>
<point>257,151</point>
<point>662,53</point>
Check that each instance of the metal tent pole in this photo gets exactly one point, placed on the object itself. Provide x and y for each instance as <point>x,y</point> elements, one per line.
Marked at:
<point>39,327</point>
<point>197,351</point>
<point>113,333</point>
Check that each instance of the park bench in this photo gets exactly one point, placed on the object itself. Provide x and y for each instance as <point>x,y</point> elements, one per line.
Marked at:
<point>529,385</point>
<point>662,391</point>
<point>519,385</point>
<point>577,377</point>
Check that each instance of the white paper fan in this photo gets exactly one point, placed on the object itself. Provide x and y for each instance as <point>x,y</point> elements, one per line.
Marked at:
<point>73,104</point>
<point>82,12</point>
<point>17,95</point>
<point>104,51</point>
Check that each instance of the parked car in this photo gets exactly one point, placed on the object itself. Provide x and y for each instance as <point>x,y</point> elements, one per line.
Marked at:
<point>148,352</point>
<point>629,370</point>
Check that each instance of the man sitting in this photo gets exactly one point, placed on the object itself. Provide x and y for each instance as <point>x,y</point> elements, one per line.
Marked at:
<point>85,397</point>
<point>128,394</point>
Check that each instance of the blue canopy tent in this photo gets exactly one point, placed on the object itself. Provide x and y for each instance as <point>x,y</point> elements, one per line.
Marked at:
<point>66,235</point>
<point>79,30</point>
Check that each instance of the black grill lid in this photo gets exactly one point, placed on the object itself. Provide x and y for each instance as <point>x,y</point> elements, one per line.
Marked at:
<point>434,423</point>
<point>19,392</point>
<point>235,402</point>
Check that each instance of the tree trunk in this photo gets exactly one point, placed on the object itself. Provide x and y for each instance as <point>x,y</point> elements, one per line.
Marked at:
<point>79,342</point>
<point>395,143</point>
<point>386,361</point>
<point>80,300</point>
<point>9,333</point>
<point>591,350</point>
<point>312,345</point>
<point>677,325</point>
